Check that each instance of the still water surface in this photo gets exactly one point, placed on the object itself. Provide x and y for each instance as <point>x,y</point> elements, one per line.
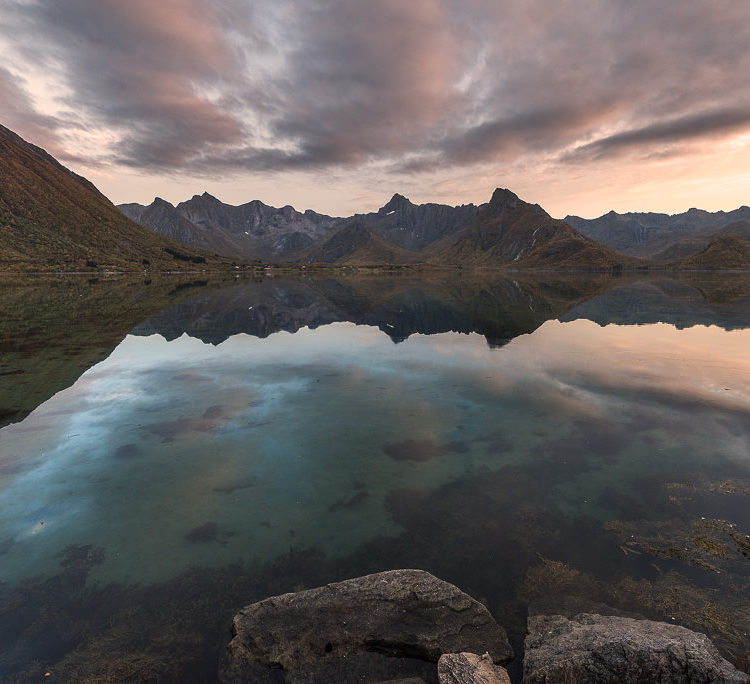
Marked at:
<point>262,437</point>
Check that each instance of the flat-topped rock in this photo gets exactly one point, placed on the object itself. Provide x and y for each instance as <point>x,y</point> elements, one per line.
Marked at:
<point>400,613</point>
<point>470,668</point>
<point>597,649</point>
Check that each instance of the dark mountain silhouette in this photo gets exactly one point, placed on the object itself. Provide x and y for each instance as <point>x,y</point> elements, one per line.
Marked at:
<point>54,219</point>
<point>648,235</point>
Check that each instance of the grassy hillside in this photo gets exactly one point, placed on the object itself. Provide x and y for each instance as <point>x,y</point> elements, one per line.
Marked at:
<point>726,252</point>
<point>53,219</point>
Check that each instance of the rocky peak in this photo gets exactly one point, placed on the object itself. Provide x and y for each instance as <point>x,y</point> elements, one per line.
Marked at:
<point>159,202</point>
<point>503,198</point>
<point>396,203</point>
<point>205,198</point>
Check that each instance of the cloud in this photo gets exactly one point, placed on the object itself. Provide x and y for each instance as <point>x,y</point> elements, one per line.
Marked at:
<point>689,127</point>
<point>278,85</point>
<point>17,112</point>
<point>141,68</point>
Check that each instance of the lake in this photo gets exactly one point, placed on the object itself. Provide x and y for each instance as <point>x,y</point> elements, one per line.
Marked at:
<point>173,450</point>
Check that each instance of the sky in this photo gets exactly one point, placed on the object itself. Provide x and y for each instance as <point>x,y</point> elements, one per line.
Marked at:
<point>582,106</point>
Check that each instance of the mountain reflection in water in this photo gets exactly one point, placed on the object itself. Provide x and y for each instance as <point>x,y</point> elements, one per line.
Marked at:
<point>210,458</point>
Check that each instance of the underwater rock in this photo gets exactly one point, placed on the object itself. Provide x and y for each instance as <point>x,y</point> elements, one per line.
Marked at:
<point>127,451</point>
<point>469,668</point>
<point>399,614</point>
<point>201,534</point>
<point>602,649</point>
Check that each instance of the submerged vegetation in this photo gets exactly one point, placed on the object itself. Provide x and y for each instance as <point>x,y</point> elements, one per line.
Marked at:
<point>174,631</point>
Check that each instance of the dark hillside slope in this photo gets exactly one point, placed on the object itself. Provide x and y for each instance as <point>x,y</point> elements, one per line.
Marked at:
<point>54,219</point>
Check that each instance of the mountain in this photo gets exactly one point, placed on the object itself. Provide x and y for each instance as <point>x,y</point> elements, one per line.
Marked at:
<point>53,219</point>
<point>648,235</point>
<point>511,232</point>
<point>417,226</point>
<point>356,243</point>
<point>249,231</point>
<point>692,245</point>
<point>162,217</point>
<point>506,231</point>
<point>257,231</point>
<point>725,252</point>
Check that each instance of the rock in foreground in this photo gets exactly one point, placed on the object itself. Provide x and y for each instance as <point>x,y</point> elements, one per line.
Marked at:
<point>604,649</point>
<point>401,614</point>
<point>469,668</point>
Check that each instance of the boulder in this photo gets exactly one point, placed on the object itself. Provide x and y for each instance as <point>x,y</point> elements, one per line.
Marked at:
<point>406,614</point>
<point>470,668</point>
<point>605,649</point>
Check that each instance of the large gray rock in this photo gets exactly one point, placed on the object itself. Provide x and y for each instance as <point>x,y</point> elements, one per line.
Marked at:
<point>605,649</point>
<point>401,614</point>
<point>470,668</point>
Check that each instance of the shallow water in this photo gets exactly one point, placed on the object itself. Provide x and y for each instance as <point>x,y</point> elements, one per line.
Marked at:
<point>275,434</point>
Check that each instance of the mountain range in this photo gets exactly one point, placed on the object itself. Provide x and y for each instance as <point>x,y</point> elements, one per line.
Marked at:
<point>53,219</point>
<point>506,231</point>
<point>663,237</point>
